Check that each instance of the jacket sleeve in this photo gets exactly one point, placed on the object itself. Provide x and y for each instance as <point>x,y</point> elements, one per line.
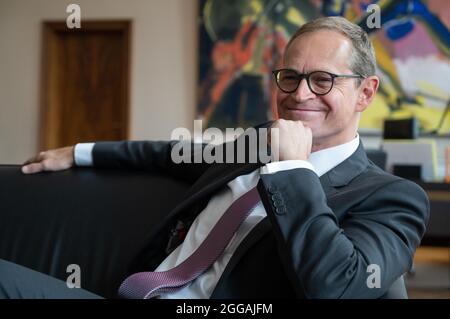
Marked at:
<point>152,156</point>
<point>328,259</point>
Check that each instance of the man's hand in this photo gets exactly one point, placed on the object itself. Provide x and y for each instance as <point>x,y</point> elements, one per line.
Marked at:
<point>294,142</point>
<point>52,160</point>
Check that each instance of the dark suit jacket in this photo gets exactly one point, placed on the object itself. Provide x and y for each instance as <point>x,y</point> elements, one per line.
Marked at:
<point>320,234</point>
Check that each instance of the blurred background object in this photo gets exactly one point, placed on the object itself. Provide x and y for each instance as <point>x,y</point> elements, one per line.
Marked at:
<point>447,165</point>
<point>85,82</point>
<point>133,81</point>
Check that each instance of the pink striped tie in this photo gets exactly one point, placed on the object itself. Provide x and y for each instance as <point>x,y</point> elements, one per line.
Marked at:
<point>151,284</point>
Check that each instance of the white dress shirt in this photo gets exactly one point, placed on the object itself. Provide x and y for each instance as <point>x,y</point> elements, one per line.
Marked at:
<point>202,287</point>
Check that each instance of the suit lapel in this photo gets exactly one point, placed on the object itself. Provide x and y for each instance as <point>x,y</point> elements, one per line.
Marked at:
<point>214,179</point>
<point>345,172</point>
<point>339,176</point>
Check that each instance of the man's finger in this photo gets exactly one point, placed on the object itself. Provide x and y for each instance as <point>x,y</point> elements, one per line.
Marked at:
<point>34,159</point>
<point>32,168</point>
<point>31,160</point>
<point>28,161</point>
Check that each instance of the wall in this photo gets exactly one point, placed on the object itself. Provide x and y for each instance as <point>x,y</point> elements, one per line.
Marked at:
<point>164,40</point>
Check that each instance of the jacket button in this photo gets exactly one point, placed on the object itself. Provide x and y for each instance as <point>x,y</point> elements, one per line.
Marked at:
<point>278,201</point>
<point>280,210</point>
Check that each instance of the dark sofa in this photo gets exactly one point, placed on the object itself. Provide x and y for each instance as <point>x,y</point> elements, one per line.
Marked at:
<point>99,219</point>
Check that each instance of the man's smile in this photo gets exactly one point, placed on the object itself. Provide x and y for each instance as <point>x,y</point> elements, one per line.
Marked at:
<point>302,109</point>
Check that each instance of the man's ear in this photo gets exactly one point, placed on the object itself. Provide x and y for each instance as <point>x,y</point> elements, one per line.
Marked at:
<point>367,92</point>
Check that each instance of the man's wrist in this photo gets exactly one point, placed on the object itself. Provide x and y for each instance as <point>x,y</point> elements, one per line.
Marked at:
<point>73,156</point>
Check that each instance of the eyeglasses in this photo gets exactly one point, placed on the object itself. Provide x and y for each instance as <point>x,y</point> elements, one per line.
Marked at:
<point>319,82</point>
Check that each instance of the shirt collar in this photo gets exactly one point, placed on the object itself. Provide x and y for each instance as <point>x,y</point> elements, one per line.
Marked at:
<point>326,159</point>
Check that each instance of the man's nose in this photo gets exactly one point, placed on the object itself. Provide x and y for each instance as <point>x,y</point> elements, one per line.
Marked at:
<point>303,93</point>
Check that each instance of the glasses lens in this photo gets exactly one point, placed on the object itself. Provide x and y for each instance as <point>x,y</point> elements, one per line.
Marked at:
<point>320,82</point>
<point>287,80</point>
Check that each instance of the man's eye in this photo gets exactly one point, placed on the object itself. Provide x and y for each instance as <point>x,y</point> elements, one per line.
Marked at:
<point>322,80</point>
<point>289,78</point>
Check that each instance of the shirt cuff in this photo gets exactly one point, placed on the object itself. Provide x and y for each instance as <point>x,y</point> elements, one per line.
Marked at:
<point>271,168</point>
<point>83,154</point>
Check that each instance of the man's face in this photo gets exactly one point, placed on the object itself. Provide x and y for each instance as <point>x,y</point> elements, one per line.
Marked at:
<point>333,118</point>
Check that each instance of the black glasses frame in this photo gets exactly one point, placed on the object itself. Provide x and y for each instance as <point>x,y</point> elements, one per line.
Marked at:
<point>307,76</point>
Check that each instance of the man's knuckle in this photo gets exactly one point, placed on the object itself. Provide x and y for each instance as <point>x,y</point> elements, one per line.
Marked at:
<point>46,163</point>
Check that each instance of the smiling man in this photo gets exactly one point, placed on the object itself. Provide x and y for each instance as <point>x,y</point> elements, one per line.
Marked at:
<point>336,62</point>
<point>312,225</point>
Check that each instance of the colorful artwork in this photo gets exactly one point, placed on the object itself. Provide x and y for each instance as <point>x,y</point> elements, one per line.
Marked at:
<point>242,41</point>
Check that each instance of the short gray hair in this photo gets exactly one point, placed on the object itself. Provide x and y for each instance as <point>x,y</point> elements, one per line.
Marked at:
<point>363,61</point>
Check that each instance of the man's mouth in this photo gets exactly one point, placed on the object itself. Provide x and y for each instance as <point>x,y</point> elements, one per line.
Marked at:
<point>303,109</point>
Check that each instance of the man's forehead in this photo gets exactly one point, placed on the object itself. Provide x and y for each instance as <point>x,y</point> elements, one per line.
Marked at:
<point>321,49</point>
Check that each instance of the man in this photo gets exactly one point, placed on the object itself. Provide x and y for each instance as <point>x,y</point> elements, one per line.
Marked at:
<point>327,214</point>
